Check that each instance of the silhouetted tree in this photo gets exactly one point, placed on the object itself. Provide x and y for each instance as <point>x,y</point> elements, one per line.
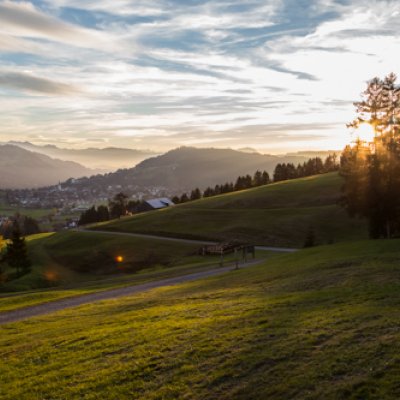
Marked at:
<point>88,217</point>
<point>371,170</point>
<point>103,213</point>
<point>330,163</point>
<point>184,198</point>
<point>17,253</point>
<point>118,205</point>
<point>208,192</point>
<point>280,173</point>
<point>195,194</point>
<point>257,179</point>
<point>176,200</point>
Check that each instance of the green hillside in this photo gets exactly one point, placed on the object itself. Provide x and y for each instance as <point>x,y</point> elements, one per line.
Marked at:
<point>77,257</point>
<point>318,324</point>
<point>278,214</point>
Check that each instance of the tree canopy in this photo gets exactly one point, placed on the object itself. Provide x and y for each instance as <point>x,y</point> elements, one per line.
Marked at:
<point>371,168</point>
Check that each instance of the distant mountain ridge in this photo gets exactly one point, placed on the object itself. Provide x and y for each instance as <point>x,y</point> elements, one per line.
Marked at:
<point>21,168</point>
<point>185,168</point>
<point>106,159</point>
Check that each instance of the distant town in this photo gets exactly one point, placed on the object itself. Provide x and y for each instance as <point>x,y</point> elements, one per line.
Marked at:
<point>76,196</point>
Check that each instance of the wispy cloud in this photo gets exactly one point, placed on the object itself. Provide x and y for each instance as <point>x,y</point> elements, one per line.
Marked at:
<point>30,83</point>
<point>160,73</point>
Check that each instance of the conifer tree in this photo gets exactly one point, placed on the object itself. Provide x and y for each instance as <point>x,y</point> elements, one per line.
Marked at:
<point>17,253</point>
<point>371,169</point>
<point>265,179</point>
<point>195,194</point>
<point>184,198</point>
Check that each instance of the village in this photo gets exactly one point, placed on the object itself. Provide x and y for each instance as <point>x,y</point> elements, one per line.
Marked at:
<point>76,196</point>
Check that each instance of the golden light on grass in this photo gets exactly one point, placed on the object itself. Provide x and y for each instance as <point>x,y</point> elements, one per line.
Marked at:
<point>119,259</point>
<point>51,276</point>
<point>365,132</point>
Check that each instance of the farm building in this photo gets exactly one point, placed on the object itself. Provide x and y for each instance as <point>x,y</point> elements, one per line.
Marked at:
<point>156,204</point>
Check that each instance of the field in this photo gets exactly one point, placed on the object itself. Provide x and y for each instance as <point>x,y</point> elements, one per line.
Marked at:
<point>35,213</point>
<point>319,324</point>
<point>280,214</point>
<point>73,257</point>
<point>48,218</point>
<point>72,263</point>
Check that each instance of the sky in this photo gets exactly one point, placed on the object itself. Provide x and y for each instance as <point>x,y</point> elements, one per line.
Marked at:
<point>277,76</point>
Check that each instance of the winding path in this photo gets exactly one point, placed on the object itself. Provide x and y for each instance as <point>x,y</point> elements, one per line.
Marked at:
<point>53,306</point>
<point>57,305</point>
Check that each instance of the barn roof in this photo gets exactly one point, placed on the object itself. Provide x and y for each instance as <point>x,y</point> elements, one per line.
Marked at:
<point>160,203</point>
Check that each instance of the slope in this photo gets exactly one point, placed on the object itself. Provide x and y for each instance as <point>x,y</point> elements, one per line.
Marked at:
<point>318,324</point>
<point>185,168</point>
<point>25,169</point>
<point>280,214</point>
<point>105,159</point>
<point>70,258</point>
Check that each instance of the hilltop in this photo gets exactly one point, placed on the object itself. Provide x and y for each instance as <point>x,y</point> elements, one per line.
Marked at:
<point>185,168</point>
<point>21,168</point>
<point>169,174</point>
<point>106,159</point>
<point>277,214</point>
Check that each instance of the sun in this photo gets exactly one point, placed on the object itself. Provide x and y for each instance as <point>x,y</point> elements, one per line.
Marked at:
<point>365,132</point>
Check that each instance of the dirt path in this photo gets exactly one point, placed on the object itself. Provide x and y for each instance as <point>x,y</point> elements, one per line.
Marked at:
<point>50,307</point>
<point>179,240</point>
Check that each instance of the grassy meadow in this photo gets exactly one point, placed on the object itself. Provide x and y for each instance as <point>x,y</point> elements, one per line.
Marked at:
<point>78,257</point>
<point>279,214</point>
<point>36,213</point>
<point>74,263</point>
<point>322,323</point>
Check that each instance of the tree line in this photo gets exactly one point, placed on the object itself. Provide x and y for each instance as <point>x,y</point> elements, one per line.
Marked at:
<point>121,205</point>
<point>25,224</point>
<point>282,172</point>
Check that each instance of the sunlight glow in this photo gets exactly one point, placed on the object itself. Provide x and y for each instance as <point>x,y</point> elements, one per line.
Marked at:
<point>365,132</point>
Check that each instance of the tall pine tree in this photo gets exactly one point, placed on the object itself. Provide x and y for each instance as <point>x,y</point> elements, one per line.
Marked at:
<point>17,253</point>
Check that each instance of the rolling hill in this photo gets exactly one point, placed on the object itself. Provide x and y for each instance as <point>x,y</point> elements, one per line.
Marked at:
<point>105,159</point>
<point>21,168</point>
<point>185,168</point>
<point>318,324</point>
<point>279,214</point>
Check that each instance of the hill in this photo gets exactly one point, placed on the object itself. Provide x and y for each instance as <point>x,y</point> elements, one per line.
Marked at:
<point>188,167</point>
<point>184,169</point>
<point>76,259</point>
<point>278,214</point>
<point>21,168</point>
<point>318,324</point>
<point>106,159</point>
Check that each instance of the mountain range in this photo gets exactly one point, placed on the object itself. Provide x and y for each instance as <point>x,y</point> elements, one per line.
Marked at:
<point>177,170</point>
<point>185,168</point>
<point>105,160</point>
<point>21,168</point>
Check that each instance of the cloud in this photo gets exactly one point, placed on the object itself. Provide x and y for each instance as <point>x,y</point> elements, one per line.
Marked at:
<point>23,20</point>
<point>168,72</point>
<point>30,83</point>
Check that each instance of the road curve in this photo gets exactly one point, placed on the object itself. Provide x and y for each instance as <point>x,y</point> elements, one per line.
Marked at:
<point>180,240</point>
<point>53,306</point>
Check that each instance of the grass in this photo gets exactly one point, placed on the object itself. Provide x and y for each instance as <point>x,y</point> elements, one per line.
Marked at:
<point>72,263</point>
<point>321,323</point>
<point>280,214</point>
<point>36,213</point>
<point>10,301</point>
